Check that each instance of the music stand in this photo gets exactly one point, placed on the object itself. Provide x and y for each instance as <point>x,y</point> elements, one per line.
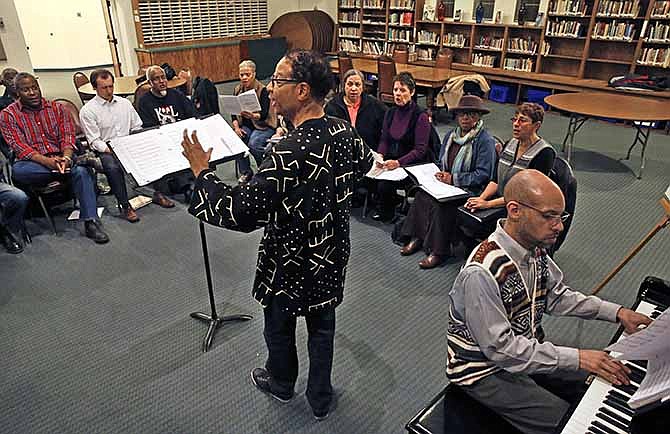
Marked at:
<point>213,319</point>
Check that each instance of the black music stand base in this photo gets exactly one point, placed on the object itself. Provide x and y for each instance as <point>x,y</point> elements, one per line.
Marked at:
<point>215,323</point>
<point>214,320</point>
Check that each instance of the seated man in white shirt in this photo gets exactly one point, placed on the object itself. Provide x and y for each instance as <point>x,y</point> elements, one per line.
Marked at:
<point>103,118</point>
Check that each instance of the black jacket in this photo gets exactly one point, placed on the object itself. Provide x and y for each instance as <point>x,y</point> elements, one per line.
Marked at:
<point>370,117</point>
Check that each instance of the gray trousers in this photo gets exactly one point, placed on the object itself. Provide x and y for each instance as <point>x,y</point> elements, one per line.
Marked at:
<point>533,404</point>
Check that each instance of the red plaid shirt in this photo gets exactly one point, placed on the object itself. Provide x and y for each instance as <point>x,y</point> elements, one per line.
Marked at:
<point>48,130</point>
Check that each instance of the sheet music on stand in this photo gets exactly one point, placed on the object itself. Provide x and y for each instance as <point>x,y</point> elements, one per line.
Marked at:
<point>650,344</point>
<point>152,154</point>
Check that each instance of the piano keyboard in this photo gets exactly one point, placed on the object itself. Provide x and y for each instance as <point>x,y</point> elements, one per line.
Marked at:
<point>603,409</point>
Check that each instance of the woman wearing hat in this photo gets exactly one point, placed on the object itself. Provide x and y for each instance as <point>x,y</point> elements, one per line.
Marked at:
<point>467,160</point>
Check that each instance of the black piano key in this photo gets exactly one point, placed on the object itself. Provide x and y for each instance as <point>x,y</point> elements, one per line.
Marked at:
<point>604,427</point>
<point>620,400</point>
<point>615,415</point>
<point>618,405</point>
<point>628,388</point>
<point>612,421</point>
<point>655,314</point>
<point>642,364</point>
<point>596,430</point>
<point>636,376</point>
<point>634,368</point>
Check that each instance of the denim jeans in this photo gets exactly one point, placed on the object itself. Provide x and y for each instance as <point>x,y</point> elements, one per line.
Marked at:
<point>257,141</point>
<point>13,203</point>
<point>282,362</point>
<point>30,173</point>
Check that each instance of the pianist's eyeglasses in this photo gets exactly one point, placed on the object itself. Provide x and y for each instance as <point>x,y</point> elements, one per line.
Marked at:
<point>548,215</point>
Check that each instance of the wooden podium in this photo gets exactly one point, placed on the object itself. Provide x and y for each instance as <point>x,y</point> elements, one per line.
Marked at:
<point>665,220</point>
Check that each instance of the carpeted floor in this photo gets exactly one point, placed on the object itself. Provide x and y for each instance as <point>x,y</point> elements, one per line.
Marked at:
<point>99,338</point>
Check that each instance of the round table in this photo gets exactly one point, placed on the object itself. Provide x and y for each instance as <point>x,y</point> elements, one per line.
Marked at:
<point>124,86</point>
<point>620,106</point>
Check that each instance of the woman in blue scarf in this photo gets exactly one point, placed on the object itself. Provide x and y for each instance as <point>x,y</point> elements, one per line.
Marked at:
<point>467,160</point>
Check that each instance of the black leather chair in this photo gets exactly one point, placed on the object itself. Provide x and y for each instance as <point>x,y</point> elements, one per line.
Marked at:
<point>454,412</point>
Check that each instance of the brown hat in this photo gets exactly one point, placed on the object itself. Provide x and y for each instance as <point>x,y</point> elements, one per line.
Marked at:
<point>471,103</point>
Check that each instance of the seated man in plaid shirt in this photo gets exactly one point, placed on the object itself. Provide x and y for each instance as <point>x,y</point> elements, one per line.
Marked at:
<point>42,135</point>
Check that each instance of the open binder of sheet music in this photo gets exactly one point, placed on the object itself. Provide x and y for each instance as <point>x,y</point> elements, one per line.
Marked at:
<point>424,174</point>
<point>383,174</point>
<point>652,344</point>
<point>152,154</point>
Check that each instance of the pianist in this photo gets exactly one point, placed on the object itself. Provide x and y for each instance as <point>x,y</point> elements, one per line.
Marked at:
<point>496,350</point>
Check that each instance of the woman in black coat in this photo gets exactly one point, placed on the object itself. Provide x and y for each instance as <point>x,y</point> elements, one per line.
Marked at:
<point>363,111</point>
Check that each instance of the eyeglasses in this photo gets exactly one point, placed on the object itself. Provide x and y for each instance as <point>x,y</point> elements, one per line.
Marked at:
<point>274,80</point>
<point>469,114</point>
<point>520,120</point>
<point>548,215</point>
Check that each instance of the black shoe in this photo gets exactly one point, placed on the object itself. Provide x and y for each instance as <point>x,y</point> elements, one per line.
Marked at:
<point>323,414</point>
<point>94,231</point>
<point>261,379</point>
<point>10,242</point>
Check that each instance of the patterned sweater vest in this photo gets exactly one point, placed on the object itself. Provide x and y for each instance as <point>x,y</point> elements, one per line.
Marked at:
<point>466,363</point>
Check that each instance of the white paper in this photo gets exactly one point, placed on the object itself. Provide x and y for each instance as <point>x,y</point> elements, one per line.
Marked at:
<point>244,102</point>
<point>152,154</point>
<point>667,193</point>
<point>139,201</point>
<point>655,384</point>
<point>425,176</point>
<point>74,215</point>
<point>376,172</point>
<point>651,343</point>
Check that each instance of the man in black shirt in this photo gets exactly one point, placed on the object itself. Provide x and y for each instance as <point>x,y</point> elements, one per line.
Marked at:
<point>163,106</point>
<point>301,195</point>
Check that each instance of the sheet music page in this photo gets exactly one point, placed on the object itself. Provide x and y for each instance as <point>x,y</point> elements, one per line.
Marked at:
<point>425,175</point>
<point>143,156</point>
<point>650,343</point>
<point>249,101</point>
<point>667,193</point>
<point>655,384</point>
<point>230,104</point>
<point>380,173</point>
<point>222,138</point>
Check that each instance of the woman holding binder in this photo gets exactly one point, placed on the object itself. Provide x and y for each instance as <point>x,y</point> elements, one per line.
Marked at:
<point>467,160</point>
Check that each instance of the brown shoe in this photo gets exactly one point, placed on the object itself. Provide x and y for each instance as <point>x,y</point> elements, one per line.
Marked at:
<point>430,261</point>
<point>411,248</point>
<point>129,214</point>
<point>160,200</point>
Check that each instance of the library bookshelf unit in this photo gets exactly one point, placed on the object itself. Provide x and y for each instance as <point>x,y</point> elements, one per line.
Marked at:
<point>580,42</point>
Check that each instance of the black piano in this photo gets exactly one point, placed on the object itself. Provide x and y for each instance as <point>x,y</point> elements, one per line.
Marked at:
<point>454,412</point>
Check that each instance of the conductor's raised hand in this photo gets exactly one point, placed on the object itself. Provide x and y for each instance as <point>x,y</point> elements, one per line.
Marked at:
<point>601,364</point>
<point>197,157</point>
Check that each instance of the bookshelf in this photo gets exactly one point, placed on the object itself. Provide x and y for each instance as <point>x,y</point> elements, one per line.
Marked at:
<point>579,39</point>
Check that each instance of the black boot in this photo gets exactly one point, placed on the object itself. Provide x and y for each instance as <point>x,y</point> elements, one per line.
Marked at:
<point>10,241</point>
<point>94,231</point>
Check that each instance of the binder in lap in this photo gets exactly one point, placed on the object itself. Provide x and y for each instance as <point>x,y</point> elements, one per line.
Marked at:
<point>424,176</point>
<point>483,215</point>
<point>149,155</point>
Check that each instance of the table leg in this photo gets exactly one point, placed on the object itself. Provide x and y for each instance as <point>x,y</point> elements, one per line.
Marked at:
<point>575,123</point>
<point>642,137</point>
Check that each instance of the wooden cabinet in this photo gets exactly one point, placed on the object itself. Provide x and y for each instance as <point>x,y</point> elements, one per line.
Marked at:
<point>580,39</point>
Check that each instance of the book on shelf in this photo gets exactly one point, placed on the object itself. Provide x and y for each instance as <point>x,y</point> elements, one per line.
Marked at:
<point>564,28</point>
<point>521,64</point>
<point>618,8</point>
<point>613,30</point>
<point>661,9</point>
<point>568,7</point>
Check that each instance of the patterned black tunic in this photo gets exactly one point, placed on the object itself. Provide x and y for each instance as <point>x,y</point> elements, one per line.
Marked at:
<point>302,195</point>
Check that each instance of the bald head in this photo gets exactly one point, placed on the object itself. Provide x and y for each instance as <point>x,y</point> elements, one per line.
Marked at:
<point>534,188</point>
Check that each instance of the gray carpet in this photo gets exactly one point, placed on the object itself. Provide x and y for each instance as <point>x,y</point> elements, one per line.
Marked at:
<point>99,338</point>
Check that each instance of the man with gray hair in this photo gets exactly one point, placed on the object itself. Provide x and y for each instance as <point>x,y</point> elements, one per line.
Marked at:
<point>496,348</point>
<point>254,128</point>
